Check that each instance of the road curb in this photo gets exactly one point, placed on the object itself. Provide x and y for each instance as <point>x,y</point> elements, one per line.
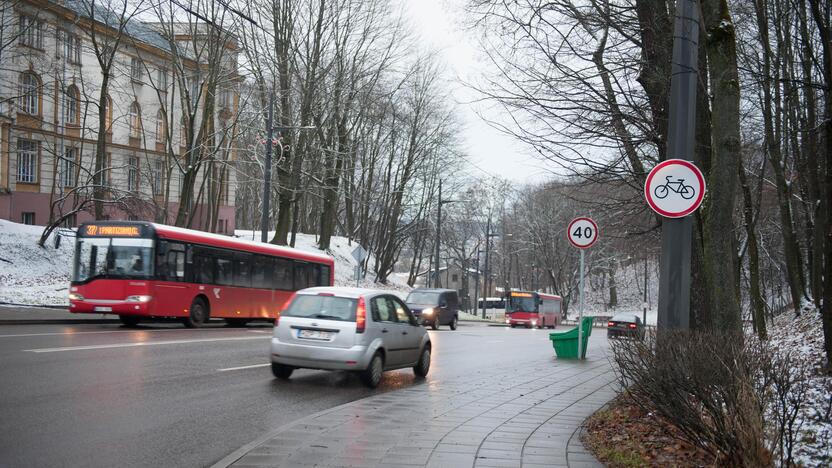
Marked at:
<point>56,321</point>
<point>245,449</point>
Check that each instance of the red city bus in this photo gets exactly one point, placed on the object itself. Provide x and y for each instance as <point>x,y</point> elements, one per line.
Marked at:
<point>532,309</point>
<point>140,270</point>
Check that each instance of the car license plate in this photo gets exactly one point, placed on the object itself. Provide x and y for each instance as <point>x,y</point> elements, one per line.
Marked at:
<point>103,309</point>
<point>314,334</point>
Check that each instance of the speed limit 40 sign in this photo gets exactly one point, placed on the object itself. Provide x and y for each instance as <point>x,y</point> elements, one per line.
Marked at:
<point>582,232</point>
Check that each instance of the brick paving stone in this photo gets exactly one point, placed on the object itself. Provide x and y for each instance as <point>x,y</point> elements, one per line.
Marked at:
<point>502,418</point>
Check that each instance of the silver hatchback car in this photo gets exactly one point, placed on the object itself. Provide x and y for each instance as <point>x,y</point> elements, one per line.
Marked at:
<point>353,329</point>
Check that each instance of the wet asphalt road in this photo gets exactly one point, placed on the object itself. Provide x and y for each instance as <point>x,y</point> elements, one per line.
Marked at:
<point>162,395</point>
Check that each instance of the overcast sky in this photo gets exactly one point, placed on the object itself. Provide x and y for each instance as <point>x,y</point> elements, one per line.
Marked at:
<point>439,24</point>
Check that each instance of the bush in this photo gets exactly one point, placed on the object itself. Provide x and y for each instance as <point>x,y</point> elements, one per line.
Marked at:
<point>737,399</point>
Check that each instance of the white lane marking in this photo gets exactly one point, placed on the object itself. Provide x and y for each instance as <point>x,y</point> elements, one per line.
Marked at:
<point>260,331</point>
<point>243,367</point>
<point>143,343</point>
<point>142,330</point>
<point>496,341</point>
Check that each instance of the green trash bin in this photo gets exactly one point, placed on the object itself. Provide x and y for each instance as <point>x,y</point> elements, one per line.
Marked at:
<point>566,343</point>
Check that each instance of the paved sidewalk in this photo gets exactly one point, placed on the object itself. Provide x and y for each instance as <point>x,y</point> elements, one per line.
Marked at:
<point>529,416</point>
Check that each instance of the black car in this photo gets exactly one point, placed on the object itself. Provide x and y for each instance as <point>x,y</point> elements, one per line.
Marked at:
<point>625,326</point>
<point>435,307</point>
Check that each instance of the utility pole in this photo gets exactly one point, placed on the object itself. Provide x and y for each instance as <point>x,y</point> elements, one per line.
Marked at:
<point>477,281</point>
<point>438,235</point>
<point>487,280</point>
<point>674,281</point>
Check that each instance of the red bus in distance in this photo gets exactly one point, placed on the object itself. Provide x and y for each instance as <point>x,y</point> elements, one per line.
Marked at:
<point>141,271</point>
<point>532,309</point>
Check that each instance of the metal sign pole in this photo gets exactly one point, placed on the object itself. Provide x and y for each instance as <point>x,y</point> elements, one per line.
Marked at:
<point>674,278</point>
<point>581,310</point>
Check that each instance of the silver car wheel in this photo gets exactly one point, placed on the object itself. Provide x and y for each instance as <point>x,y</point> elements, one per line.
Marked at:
<point>372,375</point>
<point>423,366</point>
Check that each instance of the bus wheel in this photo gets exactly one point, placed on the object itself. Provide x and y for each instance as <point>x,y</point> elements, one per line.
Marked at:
<point>198,314</point>
<point>129,320</point>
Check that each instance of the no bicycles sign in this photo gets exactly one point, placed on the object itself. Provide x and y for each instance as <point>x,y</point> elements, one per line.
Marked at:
<point>674,188</point>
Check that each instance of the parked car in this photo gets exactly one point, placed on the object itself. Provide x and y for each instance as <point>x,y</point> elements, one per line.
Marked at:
<point>352,329</point>
<point>435,307</point>
<point>626,326</point>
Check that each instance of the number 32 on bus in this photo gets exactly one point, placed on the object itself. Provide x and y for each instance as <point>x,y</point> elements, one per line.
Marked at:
<point>140,271</point>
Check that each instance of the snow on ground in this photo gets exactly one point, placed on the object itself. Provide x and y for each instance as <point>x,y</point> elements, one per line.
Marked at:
<point>35,275</point>
<point>30,274</point>
<point>803,335</point>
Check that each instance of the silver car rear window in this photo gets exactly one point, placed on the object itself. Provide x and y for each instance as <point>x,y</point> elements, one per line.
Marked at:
<point>322,307</point>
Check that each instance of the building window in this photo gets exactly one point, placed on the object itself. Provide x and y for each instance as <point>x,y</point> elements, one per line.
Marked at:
<point>136,69</point>
<point>161,129</point>
<point>71,47</point>
<point>27,161</point>
<point>29,93</point>
<point>71,107</point>
<point>27,217</point>
<point>31,31</point>
<point>69,221</point>
<point>225,100</point>
<point>66,168</point>
<point>156,177</point>
<point>133,174</point>
<point>454,278</point>
<point>162,79</point>
<point>108,115</point>
<point>135,120</point>
<point>183,133</point>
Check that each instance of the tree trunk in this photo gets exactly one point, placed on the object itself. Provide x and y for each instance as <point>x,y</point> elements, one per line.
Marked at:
<point>757,302</point>
<point>719,223</point>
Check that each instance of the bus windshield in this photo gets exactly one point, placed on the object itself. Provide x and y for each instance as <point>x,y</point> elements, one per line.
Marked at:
<point>112,257</point>
<point>521,304</point>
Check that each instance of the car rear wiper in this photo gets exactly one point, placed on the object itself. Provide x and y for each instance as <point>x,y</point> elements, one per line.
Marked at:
<point>326,316</point>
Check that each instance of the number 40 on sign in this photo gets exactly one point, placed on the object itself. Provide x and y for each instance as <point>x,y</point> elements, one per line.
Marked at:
<point>582,232</point>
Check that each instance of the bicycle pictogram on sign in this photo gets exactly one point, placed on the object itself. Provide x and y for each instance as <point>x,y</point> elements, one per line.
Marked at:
<point>674,188</point>
<point>677,186</point>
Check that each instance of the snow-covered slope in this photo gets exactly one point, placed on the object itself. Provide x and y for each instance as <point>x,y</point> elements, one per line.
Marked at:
<point>33,275</point>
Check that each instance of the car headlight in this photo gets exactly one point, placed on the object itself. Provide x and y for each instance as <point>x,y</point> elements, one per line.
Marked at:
<point>534,322</point>
<point>75,297</point>
<point>139,298</point>
<point>428,311</point>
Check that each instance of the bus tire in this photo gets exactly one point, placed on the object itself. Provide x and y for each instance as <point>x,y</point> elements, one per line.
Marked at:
<point>198,314</point>
<point>129,320</point>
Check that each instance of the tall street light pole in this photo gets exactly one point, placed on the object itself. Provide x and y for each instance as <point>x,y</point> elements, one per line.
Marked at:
<point>477,281</point>
<point>436,278</point>
<point>487,271</point>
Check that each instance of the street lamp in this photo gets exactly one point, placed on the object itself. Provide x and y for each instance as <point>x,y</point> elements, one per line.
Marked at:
<point>487,271</point>
<point>477,280</point>
<point>436,278</point>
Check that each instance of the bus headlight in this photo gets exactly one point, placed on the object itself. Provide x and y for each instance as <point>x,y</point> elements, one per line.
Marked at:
<point>75,297</point>
<point>428,311</point>
<point>534,322</point>
<point>139,298</point>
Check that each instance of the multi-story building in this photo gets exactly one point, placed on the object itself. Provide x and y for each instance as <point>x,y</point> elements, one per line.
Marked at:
<point>168,114</point>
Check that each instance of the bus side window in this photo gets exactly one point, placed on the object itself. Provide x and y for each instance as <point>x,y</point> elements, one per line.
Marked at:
<point>324,276</point>
<point>242,270</point>
<point>282,274</point>
<point>162,260</point>
<point>174,262</point>
<point>261,272</point>
<point>301,275</point>
<point>203,266</point>
<point>225,271</point>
